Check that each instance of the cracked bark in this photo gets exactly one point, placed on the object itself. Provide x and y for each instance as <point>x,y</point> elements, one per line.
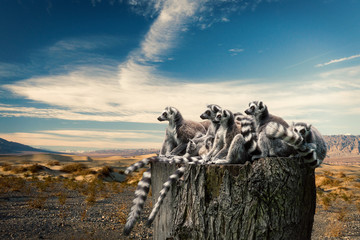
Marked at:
<point>272,198</point>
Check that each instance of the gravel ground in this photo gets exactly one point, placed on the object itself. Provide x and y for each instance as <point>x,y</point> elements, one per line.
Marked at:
<point>20,218</point>
<point>33,214</point>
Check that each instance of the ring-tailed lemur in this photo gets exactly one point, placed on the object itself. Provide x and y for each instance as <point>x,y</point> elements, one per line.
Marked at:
<point>199,146</point>
<point>312,140</point>
<point>178,132</point>
<point>210,114</point>
<point>228,146</point>
<point>248,130</point>
<point>198,142</point>
<point>269,147</point>
<point>305,138</point>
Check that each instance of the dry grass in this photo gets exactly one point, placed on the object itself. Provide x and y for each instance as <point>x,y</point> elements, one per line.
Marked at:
<point>38,202</point>
<point>329,181</point>
<point>6,167</point>
<point>105,172</point>
<point>342,213</point>
<point>134,178</point>
<point>53,163</point>
<point>73,168</point>
<point>10,183</point>
<point>62,198</point>
<point>34,168</point>
<point>335,229</point>
<point>121,213</point>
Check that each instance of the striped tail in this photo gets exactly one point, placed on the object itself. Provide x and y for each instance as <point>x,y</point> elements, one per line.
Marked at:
<point>290,137</point>
<point>166,187</point>
<point>249,133</point>
<point>139,201</point>
<point>308,153</point>
<point>144,162</point>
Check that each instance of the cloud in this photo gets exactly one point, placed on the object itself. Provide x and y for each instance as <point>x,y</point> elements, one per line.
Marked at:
<point>235,51</point>
<point>90,43</point>
<point>337,60</point>
<point>136,91</point>
<point>97,96</point>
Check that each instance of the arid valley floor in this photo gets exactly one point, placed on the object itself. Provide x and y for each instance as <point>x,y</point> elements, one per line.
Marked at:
<point>49,196</point>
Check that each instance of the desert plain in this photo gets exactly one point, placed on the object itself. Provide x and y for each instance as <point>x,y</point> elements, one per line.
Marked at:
<point>58,196</point>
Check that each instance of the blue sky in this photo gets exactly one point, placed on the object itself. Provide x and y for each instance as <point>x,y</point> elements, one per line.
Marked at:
<point>95,74</point>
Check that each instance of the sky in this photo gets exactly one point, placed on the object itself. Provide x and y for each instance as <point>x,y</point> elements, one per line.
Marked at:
<point>83,75</point>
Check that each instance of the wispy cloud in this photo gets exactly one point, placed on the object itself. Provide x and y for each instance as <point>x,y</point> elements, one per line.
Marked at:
<point>235,51</point>
<point>90,43</point>
<point>136,91</point>
<point>338,60</point>
<point>91,97</point>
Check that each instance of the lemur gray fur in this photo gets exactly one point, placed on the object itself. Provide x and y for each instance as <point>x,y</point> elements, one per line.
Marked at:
<point>178,132</point>
<point>305,138</point>
<point>199,146</point>
<point>228,146</point>
<point>312,140</point>
<point>234,155</point>
<point>269,147</point>
<point>199,141</point>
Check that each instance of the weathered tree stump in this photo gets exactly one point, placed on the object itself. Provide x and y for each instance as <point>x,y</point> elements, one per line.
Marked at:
<point>272,198</point>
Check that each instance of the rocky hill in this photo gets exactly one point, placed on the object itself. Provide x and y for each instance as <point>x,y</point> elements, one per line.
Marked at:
<point>343,145</point>
<point>7,147</point>
<point>338,146</point>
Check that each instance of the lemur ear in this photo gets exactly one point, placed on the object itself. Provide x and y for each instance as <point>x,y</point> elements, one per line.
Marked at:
<point>261,105</point>
<point>225,113</point>
<point>216,108</point>
<point>308,127</point>
<point>172,110</point>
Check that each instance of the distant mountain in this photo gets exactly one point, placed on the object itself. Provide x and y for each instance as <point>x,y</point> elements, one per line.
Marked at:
<point>338,146</point>
<point>122,152</point>
<point>7,147</point>
<point>343,145</point>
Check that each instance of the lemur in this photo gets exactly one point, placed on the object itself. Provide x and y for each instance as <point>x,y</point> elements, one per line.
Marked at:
<point>178,132</point>
<point>312,140</point>
<point>228,142</point>
<point>269,146</point>
<point>199,146</point>
<point>237,149</point>
<point>199,141</point>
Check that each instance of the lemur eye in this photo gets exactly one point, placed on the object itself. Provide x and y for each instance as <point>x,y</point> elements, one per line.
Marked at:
<point>302,131</point>
<point>295,130</point>
<point>165,114</point>
<point>207,112</point>
<point>252,108</point>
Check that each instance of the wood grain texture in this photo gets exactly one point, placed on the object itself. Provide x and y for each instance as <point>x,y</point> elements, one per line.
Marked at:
<point>272,198</point>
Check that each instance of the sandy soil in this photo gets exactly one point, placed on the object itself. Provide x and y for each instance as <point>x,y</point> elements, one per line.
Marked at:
<point>61,210</point>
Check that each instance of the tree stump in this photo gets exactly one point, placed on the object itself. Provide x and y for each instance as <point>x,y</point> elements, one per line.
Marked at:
<point>272,198</point>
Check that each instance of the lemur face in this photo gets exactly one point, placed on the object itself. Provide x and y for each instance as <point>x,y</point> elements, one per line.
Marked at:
<point>255,108</point>
<point>168,114</point>
<point>211,112</point>
<point>225,115</point>
<point>217,118</point>
<point>302,128</point>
